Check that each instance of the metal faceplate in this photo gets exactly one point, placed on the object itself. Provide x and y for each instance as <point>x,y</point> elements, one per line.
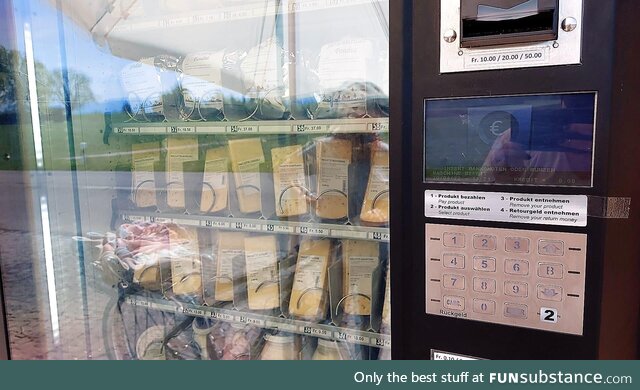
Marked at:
<point>565,50</point>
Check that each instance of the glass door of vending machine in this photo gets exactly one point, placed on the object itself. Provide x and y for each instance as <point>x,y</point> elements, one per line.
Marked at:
<point>196,180</point>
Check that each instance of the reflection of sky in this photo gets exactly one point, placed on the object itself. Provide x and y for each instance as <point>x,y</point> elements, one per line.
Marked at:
<point>103,68</point>
<point>83,55</point>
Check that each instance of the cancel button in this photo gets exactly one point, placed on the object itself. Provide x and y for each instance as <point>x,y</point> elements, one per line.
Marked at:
<point>453,302</point>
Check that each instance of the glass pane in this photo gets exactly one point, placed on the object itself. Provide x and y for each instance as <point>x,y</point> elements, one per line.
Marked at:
<point>207,181</point>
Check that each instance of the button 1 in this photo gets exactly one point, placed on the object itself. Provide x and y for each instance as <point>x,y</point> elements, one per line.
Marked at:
<point>516,267</point>
<point>516,244</point>
<point>452,260</point>
<point>453,240</point>
<point>516,289</point>
<point>551,248</point>
<point>484,306</point>
<point>550,270</point>
<point>485,242</point>
<point>482,285</point>
<point>453,303</point>
<point>484,264</point>
<point>513,310</point>
<point>453,282</point>
<point>549,293</point>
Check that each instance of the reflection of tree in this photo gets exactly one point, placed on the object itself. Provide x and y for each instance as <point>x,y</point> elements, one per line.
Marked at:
<point>50,84</point>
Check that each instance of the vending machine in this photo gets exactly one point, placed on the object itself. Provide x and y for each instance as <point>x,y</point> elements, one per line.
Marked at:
<point>517,231</point>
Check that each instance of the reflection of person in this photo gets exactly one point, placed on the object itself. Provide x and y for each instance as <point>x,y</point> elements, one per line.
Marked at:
<point>566,162</point>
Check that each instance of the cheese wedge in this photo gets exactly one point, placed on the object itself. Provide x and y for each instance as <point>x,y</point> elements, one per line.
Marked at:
<point>333,158</point>
<point>143,157</point>
<point>375,208</point>
<point>309,291</point>
<point>289,181</point>
<point>246,157</point>
<point>215,181</point>
<point>263,280</point>
<point>186,273</point>
<point>359,260</point>
<point>230,246</point>
<point>179,151</point>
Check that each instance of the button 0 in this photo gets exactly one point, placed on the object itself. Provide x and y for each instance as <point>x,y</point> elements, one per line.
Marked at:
<point>485,242</point>
<point>550,270</point>
<point>516,244</point>
<point>513,310</point>
<point>453,240</point>
<point>484,264</point>
<point>484,306</point>
<point>549,293</point>
<point>551,248</point>
<point>452,302</point>
<point>482,285</point>
<point>453,282</point>
<point>516,289</point>
<point>451,260</point>
<point>516,267</point>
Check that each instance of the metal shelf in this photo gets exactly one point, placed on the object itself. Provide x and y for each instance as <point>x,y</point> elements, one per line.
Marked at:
<point>263,321</point>
<point>332,126</point>
<point>265,226</point>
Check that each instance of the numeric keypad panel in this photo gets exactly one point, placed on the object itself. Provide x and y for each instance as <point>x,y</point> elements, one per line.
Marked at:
<point>521,278</point>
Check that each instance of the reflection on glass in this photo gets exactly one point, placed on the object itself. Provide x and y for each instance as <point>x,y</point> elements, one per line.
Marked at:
<point>211,173</point>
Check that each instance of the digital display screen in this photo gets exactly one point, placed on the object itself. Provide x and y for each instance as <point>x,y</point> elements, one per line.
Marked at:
<point>538,140</point>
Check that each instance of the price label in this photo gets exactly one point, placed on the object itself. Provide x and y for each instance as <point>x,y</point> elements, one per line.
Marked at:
<point>214,224</point>
<point>182,129</point>
<point>348,233</point>
<point>312,231</point>
<point>310,128</point>
<point>193,311</point>
<point>243,129</point>
<point>379,236</point>
<point>186,222</point>
<point>161,219</point>
<point>315,331</point>
<point>247,226</point>
<point>222,316</point>
<point>127,130</point>
<point>489,59</point>
<point>278,228</point>
<point>382,342</point>
<point>379,127</point>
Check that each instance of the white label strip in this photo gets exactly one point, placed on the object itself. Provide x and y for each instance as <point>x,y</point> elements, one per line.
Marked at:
<point>559,210</point>
<point>500,58</point>
<point>438,355</point>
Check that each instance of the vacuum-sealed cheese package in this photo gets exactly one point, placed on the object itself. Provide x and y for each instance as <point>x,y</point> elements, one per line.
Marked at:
<point>263,72</point>
<point>359,260</point>
<point>309,291</point>
<point>333,157</point>
<point>179,151</point>
<point>246,157</point>
<point>375,208</point>
<point>201,81</point>
<point>215,181</point>
<point>143,186</point>
<point>289,181</point>
<point>263,280</point>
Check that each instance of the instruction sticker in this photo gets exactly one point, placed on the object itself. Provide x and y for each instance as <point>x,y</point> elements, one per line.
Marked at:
<point>559,210</point>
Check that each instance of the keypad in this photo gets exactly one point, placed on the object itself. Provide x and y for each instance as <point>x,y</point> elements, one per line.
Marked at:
<point>505,276</point>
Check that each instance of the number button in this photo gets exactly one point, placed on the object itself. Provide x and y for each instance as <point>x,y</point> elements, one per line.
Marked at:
<point>454,240</point>
<point>516,289</point>
<point>453,282</point>
<point>551,248</point>
<point>513,310</point>
<point>549,293</point>
<point>516,267</point>
<point>549,315</point>
<point>451,260</point>
<point>453,303</point>
<point>483,306</point>
<point>484,264</point>
<point>487,286</point>
<point>484,242</point>
<point>516,245</point>
<point>550,270</point>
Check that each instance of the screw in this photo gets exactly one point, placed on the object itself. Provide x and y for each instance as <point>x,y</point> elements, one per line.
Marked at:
<point>569,24</point>
<point>450,36</point>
